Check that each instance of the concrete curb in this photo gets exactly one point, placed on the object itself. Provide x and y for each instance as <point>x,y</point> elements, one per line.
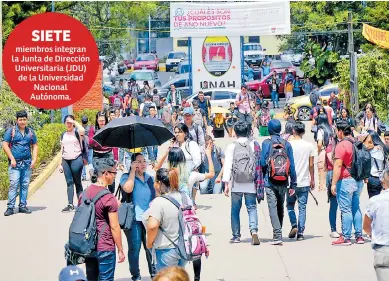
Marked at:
<point>46,173</point>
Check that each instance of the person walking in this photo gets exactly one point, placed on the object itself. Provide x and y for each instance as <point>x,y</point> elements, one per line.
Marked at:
<point>242,179</point>
<point>324,133</point>
<point>219,124</point>
<point>99,151</point>
<point>85,125</point>
<point>213,186</point>
<point>379,161</point>
<point>276,180</point>
<point>152,151</point>
<point>244,110</point>
<point>297,84</point>
<point>205,105</point>
<point>288,90</point>
<point>346,188</point>
<point>140,185</point>
<point>174,98</point>
<point>102,265</point>
<point>21,147</point>
<point>274,88</point>
<point>72,141</point>
<point>303,155</point>
<point>376,225</point>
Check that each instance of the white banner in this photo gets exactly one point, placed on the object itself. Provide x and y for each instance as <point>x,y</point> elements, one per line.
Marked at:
<point>229,19</point>
<point>216,62</point>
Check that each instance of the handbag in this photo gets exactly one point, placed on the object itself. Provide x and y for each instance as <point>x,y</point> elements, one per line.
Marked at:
<point>126,208</point>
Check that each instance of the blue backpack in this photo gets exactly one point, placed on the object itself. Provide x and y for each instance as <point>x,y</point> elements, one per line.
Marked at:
<point>83,230</point>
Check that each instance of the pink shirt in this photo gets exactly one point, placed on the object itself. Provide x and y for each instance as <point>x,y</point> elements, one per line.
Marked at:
<point>71,146</point>
<point>244,107</point>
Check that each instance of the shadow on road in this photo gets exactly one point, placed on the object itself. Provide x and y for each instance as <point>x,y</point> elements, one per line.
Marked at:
<point>203,207</point>
<point>36,208</point>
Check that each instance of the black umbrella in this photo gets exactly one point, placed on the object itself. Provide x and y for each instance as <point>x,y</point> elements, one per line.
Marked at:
<point>133,132</point>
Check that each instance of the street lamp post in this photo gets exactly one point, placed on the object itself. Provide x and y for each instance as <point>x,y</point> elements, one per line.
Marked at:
<point>149,33</point>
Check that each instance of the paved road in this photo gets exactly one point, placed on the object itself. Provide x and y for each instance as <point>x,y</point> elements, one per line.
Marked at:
<point>32,245</point>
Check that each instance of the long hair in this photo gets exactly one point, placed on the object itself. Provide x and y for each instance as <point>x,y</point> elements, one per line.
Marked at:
<point>100,114</point>
<point>176,159</point>
<point>322,123</point>
<point>168,178</point>
<point>378,142</point>
<point>182,127</point>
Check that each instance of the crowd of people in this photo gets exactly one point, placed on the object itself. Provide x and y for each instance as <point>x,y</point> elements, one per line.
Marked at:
<point>282,166</point>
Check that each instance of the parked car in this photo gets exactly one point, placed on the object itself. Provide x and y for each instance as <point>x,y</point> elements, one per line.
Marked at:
<point>121,67</point>
<point>219,96</point>
<point>297,59</point>
<point>145,75</point>
<point>179,81</point>
<point>129,63</point>
<point>173,60</point>
<point>147,61</point>
<point>183,67</point>
<point>282,65</point>
<point>265,81</point>
<point>301,106</point>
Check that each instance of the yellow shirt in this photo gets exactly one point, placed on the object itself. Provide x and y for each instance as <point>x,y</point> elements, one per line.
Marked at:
<point>289,88</point>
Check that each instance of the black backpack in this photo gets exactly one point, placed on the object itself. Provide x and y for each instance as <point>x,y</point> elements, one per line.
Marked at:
<point>83,229</point>
<point>361,163</point>
<point>313,98</point>
<point>146,109</point>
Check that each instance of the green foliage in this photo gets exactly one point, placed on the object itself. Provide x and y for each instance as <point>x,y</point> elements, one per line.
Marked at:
<point>324,66</point>
<point>48,142</point>
<point>91,113</point>
<point>373,80</point>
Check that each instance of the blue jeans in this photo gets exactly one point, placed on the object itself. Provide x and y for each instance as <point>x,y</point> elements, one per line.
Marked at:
<point>136,236</point>
<point>274,98</point>
<point>333,203</point>
<point>101,267</point>
<point>90,159</point>
<point>210,186</point>
<point>250,201</point>
<point>347,193</point>
<point>168,257</point>
<point>301,195</point>
<point>72,170</point>
<point>152,152</point>
<point>18,176</point>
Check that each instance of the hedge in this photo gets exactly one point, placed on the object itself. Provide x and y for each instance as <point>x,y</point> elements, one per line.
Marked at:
<point>48,142</point>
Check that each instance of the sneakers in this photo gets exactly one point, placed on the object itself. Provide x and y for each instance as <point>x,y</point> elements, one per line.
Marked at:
<point>9,212</point>
<point>360,240</point>
<point>68,208</point>
<point>24,210</point>
<point>255,239</point>
<point>276,242</point>
<point>293,232</point>
<point>334,234</point>
<point>235,240</point>
<point>342,242</point>
<point>300,237</point>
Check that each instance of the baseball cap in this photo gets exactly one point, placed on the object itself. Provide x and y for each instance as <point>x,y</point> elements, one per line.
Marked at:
<point>188,110</point>
<point>72,273</point>
<point>84,119</point>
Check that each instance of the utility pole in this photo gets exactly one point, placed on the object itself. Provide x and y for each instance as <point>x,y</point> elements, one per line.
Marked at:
<point>149,33</point>
<point>353,68</point>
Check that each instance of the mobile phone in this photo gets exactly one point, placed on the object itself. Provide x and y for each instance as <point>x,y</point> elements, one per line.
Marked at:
<point>174,139</point>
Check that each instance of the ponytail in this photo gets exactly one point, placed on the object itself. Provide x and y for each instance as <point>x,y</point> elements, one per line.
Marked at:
<point>173,179</point>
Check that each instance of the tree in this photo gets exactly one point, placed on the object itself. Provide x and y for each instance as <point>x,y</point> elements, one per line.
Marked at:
<point>373,80</point>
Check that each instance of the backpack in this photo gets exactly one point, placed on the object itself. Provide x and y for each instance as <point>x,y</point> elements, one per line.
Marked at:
<point>191,243</point>
<point>243,166</point>
<point>278,163</point>
<point>361,162</point>
<point>146,109</point>
<point>83,229</point>
<point>117,103</point>
<point>198,118</point>
<point>134,104</point>
<point>313,98</point>
<point>156,99</point>
<point>30,134</point>
<point>166,117</point>
<point>83,144</point>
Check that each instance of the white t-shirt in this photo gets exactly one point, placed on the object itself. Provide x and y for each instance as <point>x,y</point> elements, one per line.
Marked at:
<point>302,150</point>
<point>195,177</point>
<point>193,156</point>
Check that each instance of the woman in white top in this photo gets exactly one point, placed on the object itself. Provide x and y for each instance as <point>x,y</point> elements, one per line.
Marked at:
<point>72,162</point>
<point>370,122</point>
<point>379,161</point>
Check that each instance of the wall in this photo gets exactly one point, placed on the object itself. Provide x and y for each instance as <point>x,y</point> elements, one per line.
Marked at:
<point>164,46</point>
<point>271,43</point>
<point>94,98</point>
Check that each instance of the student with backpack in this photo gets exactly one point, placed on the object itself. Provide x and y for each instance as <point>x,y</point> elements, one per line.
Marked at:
<point>156,99</point>
<point>140,185</point>
<point>144,109</point>
<point>166,115</point>
<point>240,169</point>
<point>323,129</point>
<point>278,167</point>
<point>352,164</point>
<point>264,115</point>
<point>199,116</point>
<point>116,101</point>
<point>20,146</point>
<point>73,150</point>
<point>303,155</point>
<point>168,229</point>
<point>95,233</point>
